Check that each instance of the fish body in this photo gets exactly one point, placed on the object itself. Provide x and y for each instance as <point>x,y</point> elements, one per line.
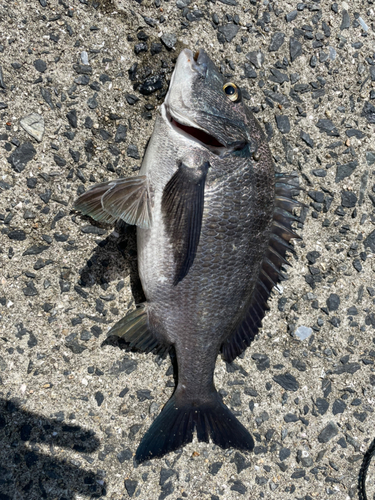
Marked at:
<point>213,229</point>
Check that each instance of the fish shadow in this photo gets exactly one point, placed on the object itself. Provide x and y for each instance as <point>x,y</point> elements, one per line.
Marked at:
<point>26,472</point>
<point>114,257</point>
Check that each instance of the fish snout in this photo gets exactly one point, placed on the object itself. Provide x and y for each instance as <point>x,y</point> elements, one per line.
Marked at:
<point>201,60</point>
<point>198,62</point>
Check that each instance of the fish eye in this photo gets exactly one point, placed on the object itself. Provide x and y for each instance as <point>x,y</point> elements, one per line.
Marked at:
<point>232,91</point>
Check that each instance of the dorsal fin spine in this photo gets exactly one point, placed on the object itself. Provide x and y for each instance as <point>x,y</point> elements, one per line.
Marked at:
<point>286,186</point>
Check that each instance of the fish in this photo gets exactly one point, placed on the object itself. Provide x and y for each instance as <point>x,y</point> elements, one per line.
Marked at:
<point>214,226</point>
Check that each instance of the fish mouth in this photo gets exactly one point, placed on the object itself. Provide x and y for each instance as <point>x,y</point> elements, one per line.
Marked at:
<point>175,108</point>
<point>202,137</point>
<point>196,134</point>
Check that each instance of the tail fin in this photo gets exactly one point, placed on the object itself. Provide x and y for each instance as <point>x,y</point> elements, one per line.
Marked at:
<point>174,428</point>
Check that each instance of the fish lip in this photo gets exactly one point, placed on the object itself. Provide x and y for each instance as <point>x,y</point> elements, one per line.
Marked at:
<point>199,66</point>
<point>198,61</point>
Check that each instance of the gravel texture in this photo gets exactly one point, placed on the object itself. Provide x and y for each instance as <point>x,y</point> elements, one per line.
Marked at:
<point>79,85</point>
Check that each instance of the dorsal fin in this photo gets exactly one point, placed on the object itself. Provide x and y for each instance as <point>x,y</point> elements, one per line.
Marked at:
<point>270,274</point>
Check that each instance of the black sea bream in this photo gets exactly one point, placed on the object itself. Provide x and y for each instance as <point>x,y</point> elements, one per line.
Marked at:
<point>214,224</point>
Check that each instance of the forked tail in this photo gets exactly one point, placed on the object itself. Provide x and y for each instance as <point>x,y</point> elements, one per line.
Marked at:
<point>174,427</point>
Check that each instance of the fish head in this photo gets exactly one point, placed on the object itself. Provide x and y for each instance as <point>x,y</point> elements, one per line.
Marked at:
<point>203,105</point>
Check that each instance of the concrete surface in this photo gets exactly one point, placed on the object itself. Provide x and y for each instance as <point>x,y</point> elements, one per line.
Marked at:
<point>74,406</point>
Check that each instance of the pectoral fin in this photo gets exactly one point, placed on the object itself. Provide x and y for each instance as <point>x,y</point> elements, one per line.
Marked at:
<point>182,207</point>
<point>127,199</point>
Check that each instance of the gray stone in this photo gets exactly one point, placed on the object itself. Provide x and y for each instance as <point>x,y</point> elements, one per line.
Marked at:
<point>332,53</point>
<point>93,230</point>
<point>249,71</point>
<point>40,65</point>
<point>2,83</point>
<point>353,132</point>
<point>262,361</point>
<point>278,76</point>
<point>303,332</point>
<point>295,49</point>
<point>319,172</point>
<point>338,406</point>
<point>92,103</point>
<point>84,58</point>
<point>240,461</point>
<point>46,94</point>
<point>328,127</point>
<point>345,170</point>
<point>169,40</point>
<point>348,199</point>
<point>290,417</point>
<point>284,453</point>
<point>256,58</point>
<point>322,405</point>
<point>72,118</point>
<point>82,69</point>
<point>291,16</point>
<point>323,56</point>
<point>82,80</point>
<point>229,31</point>
<point>333,302</point>
<point>277,97</point>
<point>304,458</point>
<point>307,139</point>
<point>370,157</point>
<point>120,133</point>
<point>313,61</point>
<point>131,486</point>
<point>132,151</point>
<point>30,290</point>
<point>125,454</point>
<point>181,4</point>
<point>298,474</point>
<point>60,162</point>
<point>287,382</point>
<point>131,99</point>
<point>283,124</point>
<point>368,112</point>
<point>21,156</point>
<point>17,235</point>
<point>151,85</point>
<point>370,241</point>
<point>238,486</point>
<point>33,124</point>
<point>277,40</point>
<point>330,431</point>
<point>347,368</point>
<point>345,23</point>
<point>35,250</point>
